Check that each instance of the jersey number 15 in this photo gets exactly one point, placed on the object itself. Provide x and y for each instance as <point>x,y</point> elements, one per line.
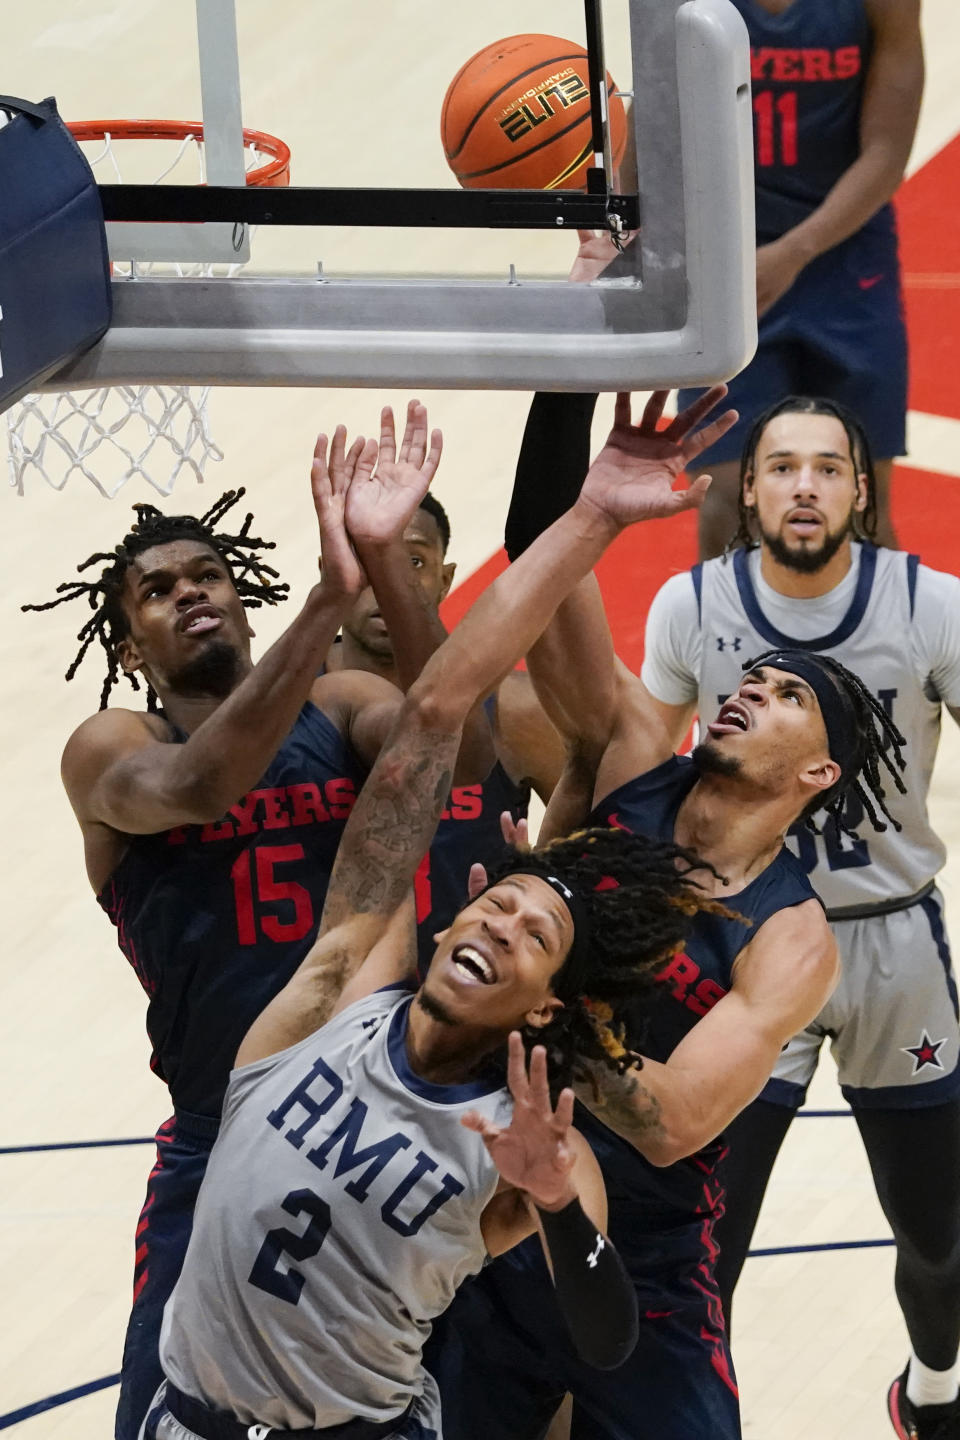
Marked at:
<point>255,884</point>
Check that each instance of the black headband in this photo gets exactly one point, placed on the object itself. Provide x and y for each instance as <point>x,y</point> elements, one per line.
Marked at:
<point>839,717</point>
<point>572,975</point>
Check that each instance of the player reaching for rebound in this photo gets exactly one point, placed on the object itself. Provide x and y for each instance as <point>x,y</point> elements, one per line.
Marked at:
<point>345,1199</point>
<point>391,631</point>
<point>210,824</point>
<point>809,577</point>
<point>798,733</point>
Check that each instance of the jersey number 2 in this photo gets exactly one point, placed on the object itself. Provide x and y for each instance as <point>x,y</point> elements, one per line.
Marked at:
<point>269,889</point>
<point>287,1284</point>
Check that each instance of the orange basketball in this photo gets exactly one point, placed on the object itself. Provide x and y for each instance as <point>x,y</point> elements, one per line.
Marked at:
<point>517,115</point>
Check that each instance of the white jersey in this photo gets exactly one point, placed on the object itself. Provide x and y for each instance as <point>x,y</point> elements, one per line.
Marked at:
<point>340,1211</point>
<point>892,621</point>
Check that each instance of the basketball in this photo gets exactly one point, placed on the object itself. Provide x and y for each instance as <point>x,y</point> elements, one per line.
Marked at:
<point>517,116</point>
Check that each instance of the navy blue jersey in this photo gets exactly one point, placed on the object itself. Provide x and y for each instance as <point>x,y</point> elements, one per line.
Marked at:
<point>808,67</point>
<point>692,983</point>
<point>215,918</point>
<point>469,830</point>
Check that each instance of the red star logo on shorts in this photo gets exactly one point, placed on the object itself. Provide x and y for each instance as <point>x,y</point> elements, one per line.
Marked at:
<point>926,1053</point>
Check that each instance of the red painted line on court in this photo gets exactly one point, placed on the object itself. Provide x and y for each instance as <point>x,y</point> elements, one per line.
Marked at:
<point>928,206</point>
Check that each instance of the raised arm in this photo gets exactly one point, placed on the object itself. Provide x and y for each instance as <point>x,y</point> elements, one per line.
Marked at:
<point>781,981</point>
<point>395,816</point>
<point>555,1187</point>
<point>118,771</point>
<point>380,505</point>
<point>604,711</point>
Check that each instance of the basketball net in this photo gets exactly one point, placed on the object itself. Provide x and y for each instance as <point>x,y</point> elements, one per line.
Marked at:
<point>111,434</point>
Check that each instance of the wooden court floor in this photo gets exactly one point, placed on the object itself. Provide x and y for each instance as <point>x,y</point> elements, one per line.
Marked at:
<point>818,1333</point>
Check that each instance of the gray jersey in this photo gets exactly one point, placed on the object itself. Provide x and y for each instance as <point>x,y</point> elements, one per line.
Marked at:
<point>893,622</point>
<point>340,1211</point>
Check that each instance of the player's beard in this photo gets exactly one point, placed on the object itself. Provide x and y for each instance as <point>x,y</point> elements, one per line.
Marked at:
<point>433,1008</point>
<point>378,646</point>
<point>708,760</point>
<point>215,672</point>
<point>804,559</point>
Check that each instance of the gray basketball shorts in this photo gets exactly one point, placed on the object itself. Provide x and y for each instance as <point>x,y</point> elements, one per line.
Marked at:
<point>892,1020</point>
<point>421,1422</point>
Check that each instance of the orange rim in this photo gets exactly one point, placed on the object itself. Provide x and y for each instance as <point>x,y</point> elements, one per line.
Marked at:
<point>275,171</point>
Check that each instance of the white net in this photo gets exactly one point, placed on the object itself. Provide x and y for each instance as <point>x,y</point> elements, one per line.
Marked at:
<point>115,433</point>
<point>111,435</point>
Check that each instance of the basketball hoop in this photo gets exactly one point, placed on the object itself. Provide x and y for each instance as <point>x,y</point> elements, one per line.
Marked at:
<point>115,432</point>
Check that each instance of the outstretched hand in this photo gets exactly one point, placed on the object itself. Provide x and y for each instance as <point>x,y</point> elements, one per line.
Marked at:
<point>633,476</point>
<point>534,1152</point>
<point>382,503</point>
<point>330,480</point>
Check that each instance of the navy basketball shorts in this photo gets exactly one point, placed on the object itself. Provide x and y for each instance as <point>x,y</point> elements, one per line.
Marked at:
<point>892,1020</point>
<point>503,1358</point>
<point>183,1148</point>
<point>839,332</point>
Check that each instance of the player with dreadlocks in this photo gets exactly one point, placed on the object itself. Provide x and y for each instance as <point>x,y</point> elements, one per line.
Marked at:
<point>805,576</point>
<point>794,735</point>
<point>210,824</point>
<point>109,624</point>
<point>321,1325</point>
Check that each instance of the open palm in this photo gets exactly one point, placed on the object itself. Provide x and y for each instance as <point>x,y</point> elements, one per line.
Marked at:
<point>633,476</point>
<point>382,502</point>
<point>331,476</point>
<point>533,1153</point>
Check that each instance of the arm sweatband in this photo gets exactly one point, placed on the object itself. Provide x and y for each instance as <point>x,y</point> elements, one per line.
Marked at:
<point>594,1291</point>
<point>554,458</point>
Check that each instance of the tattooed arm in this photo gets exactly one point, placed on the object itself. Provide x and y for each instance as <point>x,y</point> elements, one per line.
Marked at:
<point>358,948</point>
<point>367,935</point>
<point>781,980</point>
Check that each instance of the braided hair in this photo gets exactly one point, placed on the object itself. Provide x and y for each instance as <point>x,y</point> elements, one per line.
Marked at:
<point>640,900</point>
<point>253,580</point>
<point>864,522</point>
<point>877,739</point>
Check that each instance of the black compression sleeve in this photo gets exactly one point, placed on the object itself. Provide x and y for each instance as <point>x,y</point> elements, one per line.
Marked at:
<point>594,1291</point>
<point>554,458</point>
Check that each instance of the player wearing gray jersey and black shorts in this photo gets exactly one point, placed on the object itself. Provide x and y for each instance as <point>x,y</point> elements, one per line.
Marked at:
<point>814,582</point>
<point>365,1166</point>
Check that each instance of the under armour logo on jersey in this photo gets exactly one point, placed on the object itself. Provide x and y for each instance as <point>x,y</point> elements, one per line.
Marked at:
<point>594,1255</point>
<point>733,644</point>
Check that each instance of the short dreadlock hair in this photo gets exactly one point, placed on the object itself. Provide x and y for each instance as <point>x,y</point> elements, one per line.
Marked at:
<point>253,580</point>
<point>640,900</point>
<point>865,521</point>
<point>877,738</point>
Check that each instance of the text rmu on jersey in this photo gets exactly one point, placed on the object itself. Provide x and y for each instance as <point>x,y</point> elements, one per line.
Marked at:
<point>317,1097</point>
<point>768,62</point>
<point>279,808</point>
